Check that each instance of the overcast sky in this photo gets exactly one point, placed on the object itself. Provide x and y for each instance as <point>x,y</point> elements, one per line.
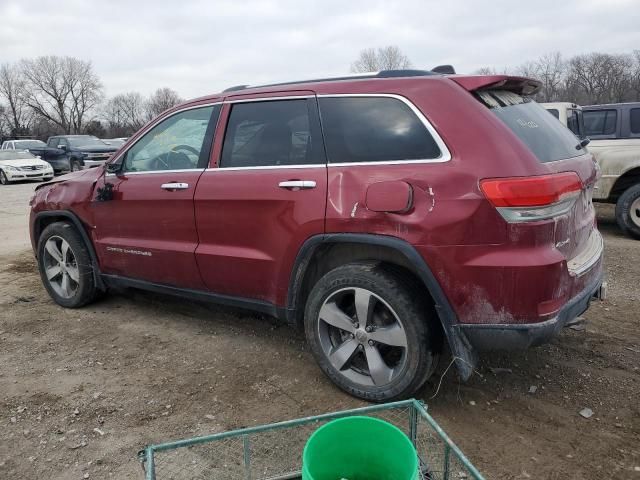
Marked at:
<point>198,47</point>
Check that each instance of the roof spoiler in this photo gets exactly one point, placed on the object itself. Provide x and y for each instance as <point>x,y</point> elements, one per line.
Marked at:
<point>520,85</point>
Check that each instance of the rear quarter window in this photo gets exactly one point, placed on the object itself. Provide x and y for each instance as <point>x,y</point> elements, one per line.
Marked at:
<point>634,120</point>
<point>374,129</point>
<point>547,138</point>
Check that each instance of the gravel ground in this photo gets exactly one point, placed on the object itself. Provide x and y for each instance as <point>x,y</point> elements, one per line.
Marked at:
<point>81,391</point>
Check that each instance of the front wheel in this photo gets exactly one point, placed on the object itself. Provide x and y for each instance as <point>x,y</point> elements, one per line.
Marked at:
<point>74,166</point>
<point>65,266</point>
<point>628,211</point>
<point>369,332</point>
<point>3,178</point>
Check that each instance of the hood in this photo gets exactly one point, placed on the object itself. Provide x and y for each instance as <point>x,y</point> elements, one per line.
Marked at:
<point>89,175</point>
<point>94,149</point>
<point>26,162</point>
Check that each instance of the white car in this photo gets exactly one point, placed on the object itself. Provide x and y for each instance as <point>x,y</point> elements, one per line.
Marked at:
<point>18,165</point>
<point>22,144</point>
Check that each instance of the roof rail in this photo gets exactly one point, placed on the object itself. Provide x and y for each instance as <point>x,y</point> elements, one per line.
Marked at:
<point>441,69</point>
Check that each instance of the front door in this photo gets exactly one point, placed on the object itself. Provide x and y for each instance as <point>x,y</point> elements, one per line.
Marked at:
<point>147,229</point>
<point>264,196</point>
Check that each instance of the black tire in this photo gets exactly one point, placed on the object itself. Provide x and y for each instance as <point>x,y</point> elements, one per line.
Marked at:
<point>628,211</point>
<point>3,178</point>
<point>391,289</point>
<point>85,290</point>
<point>74,165</point>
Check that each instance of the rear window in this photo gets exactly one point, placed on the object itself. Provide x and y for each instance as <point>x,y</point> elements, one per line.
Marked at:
<point>374,129</point>
<point>547,138</point>
<point>600,122</point>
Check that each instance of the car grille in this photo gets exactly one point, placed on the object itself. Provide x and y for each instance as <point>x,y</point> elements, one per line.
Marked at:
<point>98,156</point>
<point>31,168</point>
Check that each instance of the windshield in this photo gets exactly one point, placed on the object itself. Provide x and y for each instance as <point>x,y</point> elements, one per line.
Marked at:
<point>541,132</point>
<point>26,144</point>
<point>86,142</point>
<point>13,155</point>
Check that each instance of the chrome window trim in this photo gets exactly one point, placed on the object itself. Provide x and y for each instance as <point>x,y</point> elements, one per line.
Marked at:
<point>266,167</point>
<point>267,99</point>
<point>153,125</point>
<point>445,154</point>
<point>157,171</point>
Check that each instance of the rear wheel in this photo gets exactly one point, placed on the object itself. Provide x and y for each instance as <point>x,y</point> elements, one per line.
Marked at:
<point>628,211</point>
<point>3,178</point>
<point>65,266</point>
<point>369,331</point>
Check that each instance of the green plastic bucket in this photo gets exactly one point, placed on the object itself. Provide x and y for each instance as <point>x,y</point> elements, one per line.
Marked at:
<point>359,448</point>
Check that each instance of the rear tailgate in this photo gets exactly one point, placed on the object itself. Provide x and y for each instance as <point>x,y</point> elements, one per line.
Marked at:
<point>555,146</point>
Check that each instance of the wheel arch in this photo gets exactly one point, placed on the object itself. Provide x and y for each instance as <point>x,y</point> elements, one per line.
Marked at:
<point>44,219</point>
<point>322,253</point>
<point>623,182</point>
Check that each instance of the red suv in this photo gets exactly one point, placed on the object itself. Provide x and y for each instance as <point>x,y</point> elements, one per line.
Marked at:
<point>385,214</point>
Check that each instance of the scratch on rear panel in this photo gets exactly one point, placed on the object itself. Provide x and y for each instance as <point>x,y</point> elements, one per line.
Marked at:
<point>353,210</point>
<point>433,199</point>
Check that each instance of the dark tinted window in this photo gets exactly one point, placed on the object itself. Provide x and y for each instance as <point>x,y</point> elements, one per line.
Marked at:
<point>271,133</point>
<point>547,138</point>
<point>600,122</point>
<point>53,142</point>
<point>635,120</point>
<point>554,112</point>
<point>374,129</point>
<point>573,122</point>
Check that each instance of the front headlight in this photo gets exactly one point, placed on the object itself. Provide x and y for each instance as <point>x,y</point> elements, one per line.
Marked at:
<point>13,169</point>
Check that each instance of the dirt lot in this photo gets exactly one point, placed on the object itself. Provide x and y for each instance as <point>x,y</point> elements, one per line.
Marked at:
<point>82,390</point>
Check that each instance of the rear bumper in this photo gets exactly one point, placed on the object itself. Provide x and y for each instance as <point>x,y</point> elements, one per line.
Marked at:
<point>521,336</point>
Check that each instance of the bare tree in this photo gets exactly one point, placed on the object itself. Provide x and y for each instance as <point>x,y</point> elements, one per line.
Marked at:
<point>384,58</point>
<point>161,100</point>
<point>124,114</point>
<point>62,90</point>
<point>16,114</point>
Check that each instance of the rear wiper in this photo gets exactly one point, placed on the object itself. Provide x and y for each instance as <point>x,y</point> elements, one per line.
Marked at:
<point>583,143</point>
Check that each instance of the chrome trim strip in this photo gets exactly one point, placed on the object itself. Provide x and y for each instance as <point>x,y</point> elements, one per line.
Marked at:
<point>586,259</point>
<point>157,171</point>
<point>445,154</point>
<point>265,167</point>
<point>266,99</point>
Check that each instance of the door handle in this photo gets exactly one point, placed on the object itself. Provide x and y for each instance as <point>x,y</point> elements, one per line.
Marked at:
<point>174,186</point>
<point>301,184</point>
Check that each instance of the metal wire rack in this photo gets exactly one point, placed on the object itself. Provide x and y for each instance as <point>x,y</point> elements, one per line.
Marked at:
<point>274,451</point>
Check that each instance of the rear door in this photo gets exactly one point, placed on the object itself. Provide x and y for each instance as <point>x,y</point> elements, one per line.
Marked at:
<point>263,197</point>
<point>147,231</point>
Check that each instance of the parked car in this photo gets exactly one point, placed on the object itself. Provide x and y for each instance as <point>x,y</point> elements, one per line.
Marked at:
<point>569,114</point>
<point>20,165</point>
<point>614,131</point>
<point>75,152</point>
<point>384,214</point>
<point>24,144</point>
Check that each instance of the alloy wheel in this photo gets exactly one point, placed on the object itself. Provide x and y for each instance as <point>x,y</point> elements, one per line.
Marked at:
<point>61,267</point>
<point>362,337</point>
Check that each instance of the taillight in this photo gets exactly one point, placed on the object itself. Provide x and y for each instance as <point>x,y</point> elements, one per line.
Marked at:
<point>527,199</point>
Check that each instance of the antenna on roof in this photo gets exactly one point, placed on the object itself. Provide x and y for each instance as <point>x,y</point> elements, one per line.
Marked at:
<point>444,69</point>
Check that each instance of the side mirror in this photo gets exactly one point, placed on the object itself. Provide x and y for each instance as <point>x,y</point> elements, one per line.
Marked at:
<point>113,167</point>
<point>62,147</point>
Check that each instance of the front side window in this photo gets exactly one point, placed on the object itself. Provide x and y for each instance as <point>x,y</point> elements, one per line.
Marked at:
<point>53,142</point>
<point>600,122</point>
<point>635,120</point>
<point>180,142</point>
<point>573,122</point>
<point>374,129</point>
<point>271,133</point>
